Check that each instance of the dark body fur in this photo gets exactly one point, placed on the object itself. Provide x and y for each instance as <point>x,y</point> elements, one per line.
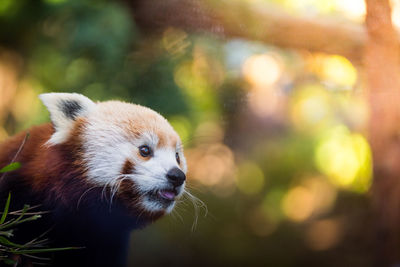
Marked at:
<point>54,178</point>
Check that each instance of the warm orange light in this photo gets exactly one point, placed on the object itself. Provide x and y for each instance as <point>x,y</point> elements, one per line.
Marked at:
<point>395,12</point>
<point>354,9</point>
<point>298,204</point>
<point>262,70</point>
<point>212,165</point>
<point>314,196</point>
<point>3,134</point>
<point>265,101</point>
<point>26,103</point>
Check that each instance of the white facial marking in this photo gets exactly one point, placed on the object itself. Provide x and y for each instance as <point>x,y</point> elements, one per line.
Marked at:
<point>155,206</point>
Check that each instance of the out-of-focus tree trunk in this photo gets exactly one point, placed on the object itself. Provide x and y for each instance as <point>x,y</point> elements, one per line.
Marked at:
<point>383,68</point>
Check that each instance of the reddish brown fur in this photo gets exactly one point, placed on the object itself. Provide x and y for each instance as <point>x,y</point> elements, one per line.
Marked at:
<point>165,140</point>
<point>33,153</point>
<point>44,166</point>
<point>128,167</point>
<point>149,121</point>
<point>50,159</point>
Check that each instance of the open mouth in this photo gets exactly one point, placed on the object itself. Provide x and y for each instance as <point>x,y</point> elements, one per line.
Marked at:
<point>167,194</point>
<point>164,195</point>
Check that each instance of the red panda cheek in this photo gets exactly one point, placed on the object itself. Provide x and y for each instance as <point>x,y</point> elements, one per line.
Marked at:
<point>128,194</point>
<point>128,167</point>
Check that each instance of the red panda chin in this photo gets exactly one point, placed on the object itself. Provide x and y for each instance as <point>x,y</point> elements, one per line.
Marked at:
<point>152,204</point>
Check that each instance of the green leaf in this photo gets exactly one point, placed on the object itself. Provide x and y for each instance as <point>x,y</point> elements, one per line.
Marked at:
<point>41,250</point>
<point>32,218</point>
<point>7,224</point>
<point>24,210</point>
<point>7,242</point>
<point>11,167</point>
<point>8,233</point>
<point>5,212</point>
<point>19,221</point>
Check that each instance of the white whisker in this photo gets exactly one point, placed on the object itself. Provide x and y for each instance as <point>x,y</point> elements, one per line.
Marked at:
<point>115,188</point>
<point>84,193</point>
<point>176,213</point>
<point>197,203</point>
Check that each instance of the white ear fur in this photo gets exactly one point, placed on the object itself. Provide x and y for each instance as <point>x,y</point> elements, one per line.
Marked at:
<point>64,108</point>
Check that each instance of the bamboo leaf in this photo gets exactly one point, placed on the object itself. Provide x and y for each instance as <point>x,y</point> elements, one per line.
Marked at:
<point>3,217</point>
<point>41,250</point>
<point>25,208</point>
<point>7,242</point>
<point>16,222</point>
<point>6,224</point>
<point>11,167</point>
<point>8,233</point>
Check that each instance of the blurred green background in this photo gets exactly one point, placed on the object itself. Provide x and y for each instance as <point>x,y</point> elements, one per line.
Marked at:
<point>274,137</point>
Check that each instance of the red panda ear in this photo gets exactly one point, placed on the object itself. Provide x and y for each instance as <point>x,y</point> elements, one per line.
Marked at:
<point>64,108</point>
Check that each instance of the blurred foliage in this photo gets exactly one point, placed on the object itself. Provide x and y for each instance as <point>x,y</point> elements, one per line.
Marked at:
<point>274,138</point>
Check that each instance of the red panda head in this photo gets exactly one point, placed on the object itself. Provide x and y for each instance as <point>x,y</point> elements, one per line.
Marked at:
<point>129,149</point>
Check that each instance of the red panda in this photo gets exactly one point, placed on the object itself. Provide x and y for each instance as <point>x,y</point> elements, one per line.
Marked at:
<point>100,169</point>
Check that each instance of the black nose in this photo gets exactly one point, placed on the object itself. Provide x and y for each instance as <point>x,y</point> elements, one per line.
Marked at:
<point>176,176</point>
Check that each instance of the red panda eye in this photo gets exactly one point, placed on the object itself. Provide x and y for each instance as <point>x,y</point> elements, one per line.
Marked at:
<point>177,158</point>
<point>145,151</point>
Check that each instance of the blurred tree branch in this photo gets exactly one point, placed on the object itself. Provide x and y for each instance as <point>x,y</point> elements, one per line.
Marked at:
<point>382,62</point>
<point>254,21</point>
